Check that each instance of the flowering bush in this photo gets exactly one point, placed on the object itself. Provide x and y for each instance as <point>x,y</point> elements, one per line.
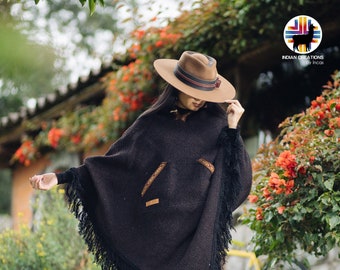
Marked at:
<point>25,153</point>
<point>52,243</point>
<point>296,189</point>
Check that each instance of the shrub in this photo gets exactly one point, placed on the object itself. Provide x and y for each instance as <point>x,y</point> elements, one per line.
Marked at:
<point>51,243</point>
<point>296,189</point>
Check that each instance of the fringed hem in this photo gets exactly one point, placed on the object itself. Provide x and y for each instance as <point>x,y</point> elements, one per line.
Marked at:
<point>104,255</point>
<point>230,189</point>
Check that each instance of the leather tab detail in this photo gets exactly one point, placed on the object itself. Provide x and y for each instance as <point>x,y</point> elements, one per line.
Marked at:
<point>152,202</point>
<point>153,177</point>
<point>207,164</point>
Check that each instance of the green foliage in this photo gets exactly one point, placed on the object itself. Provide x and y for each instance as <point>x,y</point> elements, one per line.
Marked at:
<point>92,4</point>
<point>5,194</point>
<point>52,243</point>
<point>23,63</point>
<point>297,184</point>
<point>10,103</point>
<point>35,63</point>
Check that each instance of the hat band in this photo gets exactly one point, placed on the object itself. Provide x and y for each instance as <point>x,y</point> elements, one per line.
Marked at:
<point>194,82</point>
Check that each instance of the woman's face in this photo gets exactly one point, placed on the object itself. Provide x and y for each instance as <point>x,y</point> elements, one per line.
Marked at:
<point>187,102</point>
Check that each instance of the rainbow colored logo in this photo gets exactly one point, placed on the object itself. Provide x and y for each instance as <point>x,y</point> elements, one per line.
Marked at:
<point>302,34</point>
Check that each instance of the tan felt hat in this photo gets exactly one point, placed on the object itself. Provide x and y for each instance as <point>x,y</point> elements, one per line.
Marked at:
<point>195,74</point>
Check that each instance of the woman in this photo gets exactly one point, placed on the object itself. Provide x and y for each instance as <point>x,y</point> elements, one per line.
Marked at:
<point>162,197</point>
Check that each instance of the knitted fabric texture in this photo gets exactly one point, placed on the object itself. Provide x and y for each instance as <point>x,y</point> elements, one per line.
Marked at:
<point>162,197</point>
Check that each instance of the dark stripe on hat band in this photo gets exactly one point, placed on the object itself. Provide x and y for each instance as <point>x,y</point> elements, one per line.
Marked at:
<point>194,82</point>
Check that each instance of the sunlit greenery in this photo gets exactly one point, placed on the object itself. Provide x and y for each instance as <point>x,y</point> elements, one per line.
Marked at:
<point>44,246</point>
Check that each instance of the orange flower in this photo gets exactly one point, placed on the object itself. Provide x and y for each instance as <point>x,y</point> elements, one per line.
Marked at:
<point>274,181</point>
<point>280,209</point>
<point>289,187</point>
<point>25,152</point>
<point>320,115</point>
<point>287,161</point>
<point>54,136</point>
<point>314,104</point>
<point>259,213</point>
<point>253,198</point>
<point>329,132</point>
<point>125,78</point>
<point>320,99</point>
<point>267,194</point>
<point>139,34</point>
<point>115,113</point>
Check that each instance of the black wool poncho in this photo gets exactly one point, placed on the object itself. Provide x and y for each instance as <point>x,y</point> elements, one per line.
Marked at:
<point>162,197</point>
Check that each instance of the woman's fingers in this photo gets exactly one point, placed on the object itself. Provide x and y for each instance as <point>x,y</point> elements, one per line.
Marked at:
<point>43,182</point>
<point>234,112</point>
<point>35,181</point>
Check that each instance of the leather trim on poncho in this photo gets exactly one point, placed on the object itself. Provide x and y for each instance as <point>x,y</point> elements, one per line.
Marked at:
<point>162,197</point>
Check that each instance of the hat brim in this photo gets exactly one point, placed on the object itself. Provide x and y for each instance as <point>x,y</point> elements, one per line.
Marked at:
<point>166,67</point>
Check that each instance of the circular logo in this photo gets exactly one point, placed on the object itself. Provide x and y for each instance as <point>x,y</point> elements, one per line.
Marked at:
<point>302,34</point>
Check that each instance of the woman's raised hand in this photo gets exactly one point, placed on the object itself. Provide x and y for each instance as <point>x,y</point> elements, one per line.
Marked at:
<point>44,181</point>
<point>234,112</point>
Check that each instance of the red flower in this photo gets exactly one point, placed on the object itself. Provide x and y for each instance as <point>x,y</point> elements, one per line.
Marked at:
<point>318,123</point>
<point>314,104</point>
<point>159,43</point>
<point>302,170</point>
<point>337,106</point>
<point>321,115</point>
<point>76,139</point>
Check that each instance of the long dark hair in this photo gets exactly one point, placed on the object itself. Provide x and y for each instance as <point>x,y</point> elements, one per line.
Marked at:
<point>167,101</point>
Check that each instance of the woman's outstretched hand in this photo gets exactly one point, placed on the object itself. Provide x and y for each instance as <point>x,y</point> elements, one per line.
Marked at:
<point>234,112</point>
<point>44,181</point>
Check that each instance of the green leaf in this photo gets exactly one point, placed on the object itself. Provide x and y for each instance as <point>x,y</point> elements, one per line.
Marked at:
<point>36,1</point>
<point>333,221</point>
<point>92,6</point>
<point>329,184</point>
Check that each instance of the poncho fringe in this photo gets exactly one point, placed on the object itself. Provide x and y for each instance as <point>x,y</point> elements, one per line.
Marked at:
<point>230,189</point>
<point>94,240</point>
